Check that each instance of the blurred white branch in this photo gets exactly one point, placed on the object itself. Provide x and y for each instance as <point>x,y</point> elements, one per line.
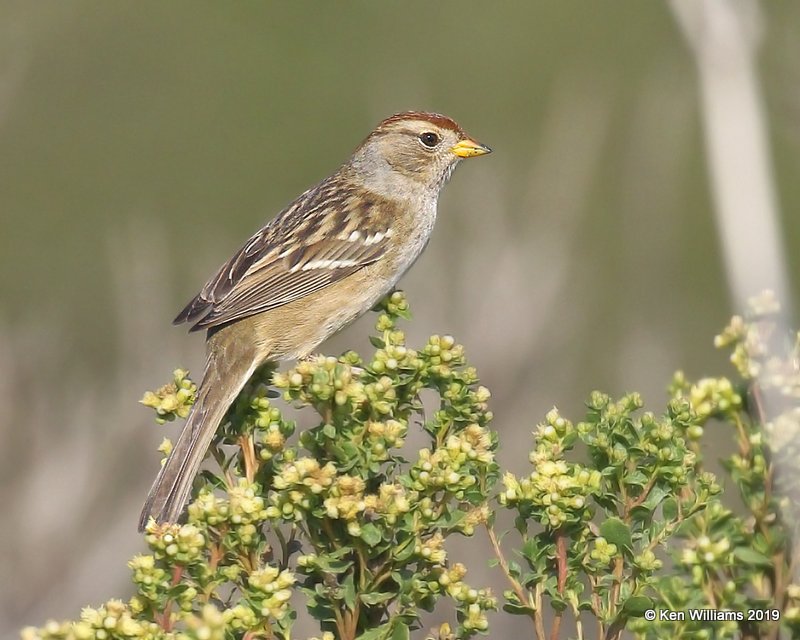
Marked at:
<point>724,36</point>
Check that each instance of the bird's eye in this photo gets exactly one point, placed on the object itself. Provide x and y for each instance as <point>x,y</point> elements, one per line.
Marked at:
<point>429,139</point>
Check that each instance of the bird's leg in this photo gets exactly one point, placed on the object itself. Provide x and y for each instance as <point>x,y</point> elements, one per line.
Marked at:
<point>310,357</point>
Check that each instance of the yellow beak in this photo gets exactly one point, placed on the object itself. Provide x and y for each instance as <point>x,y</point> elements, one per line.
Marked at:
<point>469,149</point>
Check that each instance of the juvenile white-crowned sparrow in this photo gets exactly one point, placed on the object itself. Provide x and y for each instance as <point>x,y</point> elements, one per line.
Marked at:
<point>322,262</point>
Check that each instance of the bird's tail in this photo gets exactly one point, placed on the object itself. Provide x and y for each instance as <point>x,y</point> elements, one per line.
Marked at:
<point>218,390</point>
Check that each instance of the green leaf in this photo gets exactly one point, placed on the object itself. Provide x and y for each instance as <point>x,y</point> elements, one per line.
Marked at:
<point>568,440</point>
<point>449,519</point>
<point>654,498</point>
<point>586,605</point>
<point>635,606</point>
<point>636,478</point>
<point>669,509</point>
<point>329,431</point>
<point>532,550</point>
<point>400,631</point>
<point>376,598</point>
<point>371,534</point>
<point>332,565</point>
<point>685,528</point>
<point>376,633</point>
<point>403,552</point>
<point>517,609</point>
<point>558,603</point>
<point>349,592</point>
<point>617,532</point>
<point>751,557</point>
<point>377,342</point>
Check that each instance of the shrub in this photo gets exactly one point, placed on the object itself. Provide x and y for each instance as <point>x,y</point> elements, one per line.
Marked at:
<point>617,522</point>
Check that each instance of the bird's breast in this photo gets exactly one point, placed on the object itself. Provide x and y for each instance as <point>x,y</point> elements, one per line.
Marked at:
<point>411,234</point>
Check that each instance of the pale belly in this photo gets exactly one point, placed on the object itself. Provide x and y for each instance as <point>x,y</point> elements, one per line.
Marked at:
<point>296,329</point>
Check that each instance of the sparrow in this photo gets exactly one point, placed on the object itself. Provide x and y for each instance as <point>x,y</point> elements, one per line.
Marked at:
<point>322,262</point>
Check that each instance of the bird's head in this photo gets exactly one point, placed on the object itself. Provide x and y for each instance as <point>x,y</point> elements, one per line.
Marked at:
<point>413,151</point>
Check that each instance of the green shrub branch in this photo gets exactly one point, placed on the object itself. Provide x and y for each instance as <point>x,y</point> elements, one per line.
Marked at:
<point>617,517</point>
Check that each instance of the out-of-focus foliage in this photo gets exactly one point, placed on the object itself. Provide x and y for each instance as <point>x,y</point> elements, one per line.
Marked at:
<point>344,521</point>
<point>645,490</point>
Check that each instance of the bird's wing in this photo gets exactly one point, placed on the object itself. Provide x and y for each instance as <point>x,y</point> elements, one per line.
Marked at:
<point>327,234</point>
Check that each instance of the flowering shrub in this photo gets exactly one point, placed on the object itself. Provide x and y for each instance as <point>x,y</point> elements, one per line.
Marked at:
<point>617,519</point>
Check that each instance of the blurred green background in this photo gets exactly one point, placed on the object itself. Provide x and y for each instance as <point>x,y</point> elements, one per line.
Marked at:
<point>142,142</point>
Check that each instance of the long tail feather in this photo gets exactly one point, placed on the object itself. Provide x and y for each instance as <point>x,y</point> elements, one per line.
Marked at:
<point>170,491</point>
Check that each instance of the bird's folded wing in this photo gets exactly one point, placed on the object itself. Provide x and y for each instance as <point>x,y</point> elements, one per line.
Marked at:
<point>285,279</point>
<point>288,259</point>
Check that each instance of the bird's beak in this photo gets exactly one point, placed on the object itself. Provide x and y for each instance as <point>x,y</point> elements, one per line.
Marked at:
<point>468,148</point>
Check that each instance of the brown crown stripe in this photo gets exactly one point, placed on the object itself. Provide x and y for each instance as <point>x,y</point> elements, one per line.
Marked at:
<point>434,118</point>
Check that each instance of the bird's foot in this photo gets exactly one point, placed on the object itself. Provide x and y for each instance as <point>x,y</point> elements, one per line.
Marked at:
<point>313,357</point>
<point>310,357</point>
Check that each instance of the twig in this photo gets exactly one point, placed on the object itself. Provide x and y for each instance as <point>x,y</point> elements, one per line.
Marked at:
<point>524,599</point>
<point>248,456</point>
<point>618,568</point>
<point>340,624</point>
<point>641,497</point>
<point>561,568</point>
<point>165,622</point>
<point>598,607</point>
